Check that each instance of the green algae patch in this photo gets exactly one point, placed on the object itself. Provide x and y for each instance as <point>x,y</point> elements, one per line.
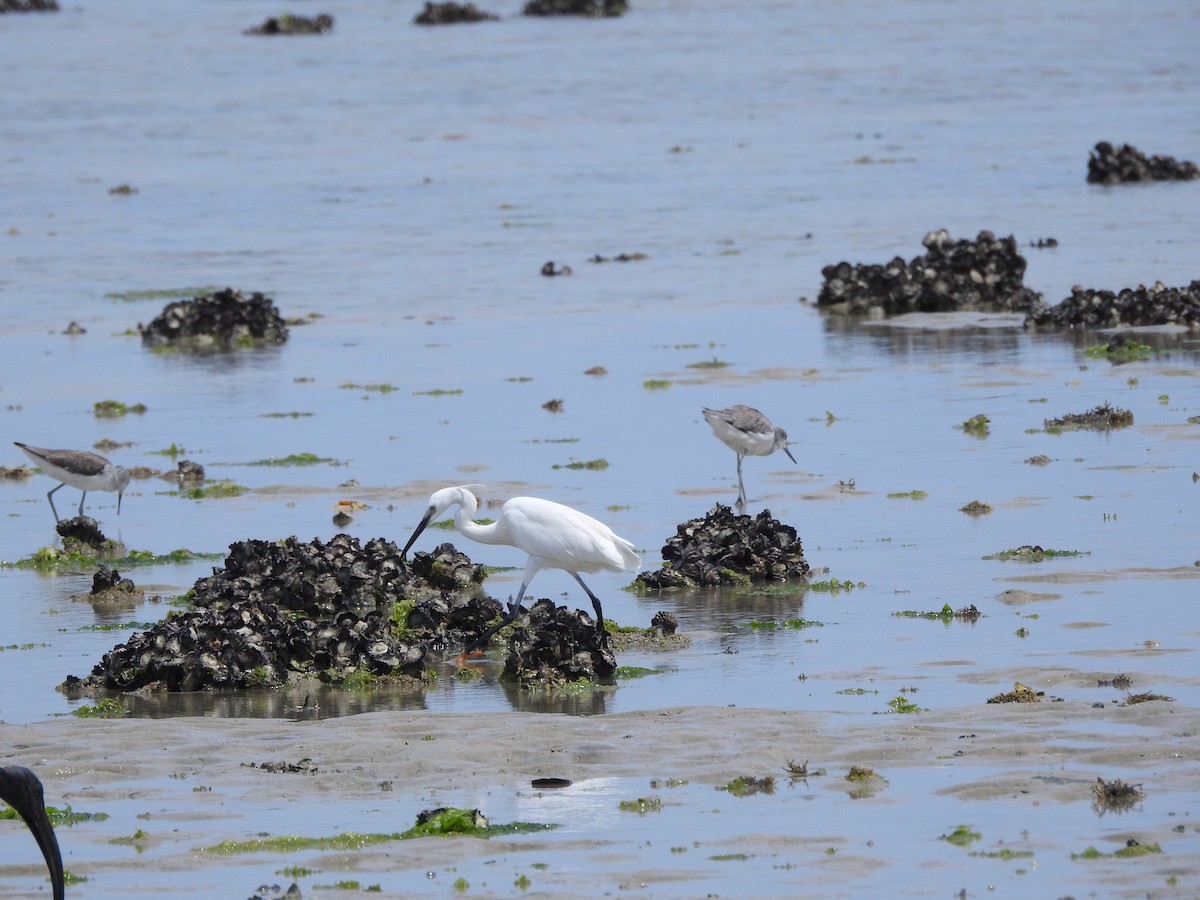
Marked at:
<point>713,363</point>
<point>114,409</point>
<point>1033,553</point>
<point>962,836</point>
<point>64,816</point>
<point>286,415</point>
<point>439,392</point>
<point>976,426</point>
<point>946,614</point>
<point>216,490</point>
<point>294,459</point>
<point>833,585</point>
<point>108,708</point>
<point>183,293</point>
<point>51,559</point>
<point>1132,849</point>
<point>1121,348</point>
<point>628,673</point>
<point>377,388</point>
<point>908,495</point>
<point>748,784</point>
<point>656,384</point>
<point>903,705</point>
<point>591,465</point>
<point>642,805</point>
<point>786,624</point>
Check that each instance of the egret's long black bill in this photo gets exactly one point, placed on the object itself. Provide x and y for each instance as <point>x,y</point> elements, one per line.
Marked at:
<point>22,790</point>
<point>424,523</point>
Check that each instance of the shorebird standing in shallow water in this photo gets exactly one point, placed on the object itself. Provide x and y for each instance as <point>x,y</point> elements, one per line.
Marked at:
<point>746,432</point>
<point>22,790</point>
<point>554,536</point>
<point>78,468</point>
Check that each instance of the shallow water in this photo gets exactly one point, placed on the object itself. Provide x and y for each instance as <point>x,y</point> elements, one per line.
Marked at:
<point>407,184</point>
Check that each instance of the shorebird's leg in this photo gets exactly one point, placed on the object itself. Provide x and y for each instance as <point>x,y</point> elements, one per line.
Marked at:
<point>82,497</point>
<point>50,497</point>
<point>741,485</point>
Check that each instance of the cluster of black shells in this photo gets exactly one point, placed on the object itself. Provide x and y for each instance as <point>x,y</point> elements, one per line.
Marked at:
<point>221,320</point>
<point>20,6</point>
<point>452,14</point>
<point>727,548</point>
<point>289,24</point>
<point>985,274</point>
<point>1109,165</point>
<point>1130,307</point>
<point>593,9</point>
<point>279,609</point>
<point>553,644</point>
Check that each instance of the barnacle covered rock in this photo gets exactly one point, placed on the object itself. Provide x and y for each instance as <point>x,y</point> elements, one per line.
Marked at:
<point>726,548</point>
<point>1129,307</point>
<point>217,321</point>
<point>555,645</point>
<point>451,14</point>
<point>1107,165</point>
<point>985,274</point>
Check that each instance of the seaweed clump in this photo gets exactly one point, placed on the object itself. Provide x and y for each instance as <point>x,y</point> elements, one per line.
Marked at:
<point>220,321</point>
<point>1109,165</point>
<point>985,274</point>
<point>1102,417</point>
<point>725,548</point>
<point>289,24</point>
<point>283,609</point>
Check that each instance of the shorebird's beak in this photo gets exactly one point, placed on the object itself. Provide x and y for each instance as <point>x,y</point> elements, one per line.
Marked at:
<point>789,453</point>
<point>27,799</point>
<point>424,523</point>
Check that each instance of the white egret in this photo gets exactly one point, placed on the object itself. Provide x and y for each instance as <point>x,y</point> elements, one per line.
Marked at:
<point>746,432</point>
<point>554,536</point>
<point>78,468</point>
<point>22,790</point>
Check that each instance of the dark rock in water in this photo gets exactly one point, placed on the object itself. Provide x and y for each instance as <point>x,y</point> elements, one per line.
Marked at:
<point>189,471</point>
<point>1102,417</point>
<point>106,579</point>
<point>452,13</point>
<point>275,892</point>
<point>986,274</point>
<point>219,321</point>
<point>1158,305</point>
<point>725,548</point>
<point>554,645</point>
<point>664,623</point>
<point>289,24</point>
<point>593,9</point>
<point>1116,166</point>
<point>284,608</point>
<point>20,6</point>
<point>452,618</point>
<point>82,529</point>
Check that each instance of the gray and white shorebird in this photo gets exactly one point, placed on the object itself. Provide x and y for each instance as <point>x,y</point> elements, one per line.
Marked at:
<point>746,432</point>
<point>78,468</point>
<point>22,790</point>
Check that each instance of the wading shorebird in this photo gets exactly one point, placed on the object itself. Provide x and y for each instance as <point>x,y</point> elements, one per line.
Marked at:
<point>22,790</point>
<point>746,432</point>
<point>554,536</point>
<point>78,468</point>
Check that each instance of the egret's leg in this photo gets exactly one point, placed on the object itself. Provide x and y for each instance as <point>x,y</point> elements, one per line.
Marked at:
<point>599,612</point>
<point>50,497</point>
<point>514,607</point>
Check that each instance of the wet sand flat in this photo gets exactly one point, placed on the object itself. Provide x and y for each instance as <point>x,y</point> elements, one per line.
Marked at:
<point>189,784</point>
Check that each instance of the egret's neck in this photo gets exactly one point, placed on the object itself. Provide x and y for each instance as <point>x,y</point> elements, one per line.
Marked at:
<point>464,522</point>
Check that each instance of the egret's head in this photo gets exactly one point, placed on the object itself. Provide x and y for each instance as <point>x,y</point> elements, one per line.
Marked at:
<point>439,502</point>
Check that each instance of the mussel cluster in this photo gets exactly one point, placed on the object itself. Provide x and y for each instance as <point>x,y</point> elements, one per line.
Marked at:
<point>593,9</point>
<point>1102,418</point>
<point>1130,307</point>
<point>19,6</point>
<point>220,321</point>
<point>986,274</point>
<point>451,14</point>
<point>283,608</point>
<point>555,645</point>
<point>1114,166</point>
<point>725,548</point>
<point>289,24</point>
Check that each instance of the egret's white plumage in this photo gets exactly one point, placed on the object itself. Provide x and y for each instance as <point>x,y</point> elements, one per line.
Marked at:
<point>746,432</point>
<point>554,536</point>
<point>78,468</point>
<point>22,790</point>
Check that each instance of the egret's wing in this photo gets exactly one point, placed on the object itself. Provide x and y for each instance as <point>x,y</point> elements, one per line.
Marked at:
<point>565,538</point>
